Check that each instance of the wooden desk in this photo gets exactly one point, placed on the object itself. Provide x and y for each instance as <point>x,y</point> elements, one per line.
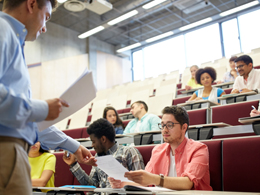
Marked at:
<point>255,121</point>
<point>204,131</point>
<point>249,120</point>
<point>124,114</point>
<point>200,192</point>
<point>224,85</point>
<point>74,191</point>
<point>120,138</point>
<point>191,91</point>
<point>229,130</point>
<point>203,104</point>
<point>253,96</point>
<point>157,136</point>
<point>209,125</point>
<point>184,192</point>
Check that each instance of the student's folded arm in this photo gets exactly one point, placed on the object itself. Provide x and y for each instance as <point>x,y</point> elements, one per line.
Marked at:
<point>194,96</point>
<point>43,180</point>
<point>234,91</point>
<point>224,93</point>
<point>235,87</point>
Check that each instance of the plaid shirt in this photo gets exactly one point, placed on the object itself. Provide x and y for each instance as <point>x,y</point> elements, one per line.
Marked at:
<point>129,157</point>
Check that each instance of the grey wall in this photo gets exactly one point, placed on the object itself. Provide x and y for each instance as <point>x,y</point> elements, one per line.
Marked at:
<point>58,42</point>
<point>95,45</point>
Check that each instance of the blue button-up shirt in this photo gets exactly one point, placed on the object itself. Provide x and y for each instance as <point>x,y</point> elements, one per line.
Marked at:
<point>18,112</point>
<point>149,122</point>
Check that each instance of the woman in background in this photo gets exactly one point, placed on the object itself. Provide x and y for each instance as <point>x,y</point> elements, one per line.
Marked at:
<point>192,82</point>
<point>42,167</point>
<point>111,115</point>
<point>206,76</point>
<point>233,73</point>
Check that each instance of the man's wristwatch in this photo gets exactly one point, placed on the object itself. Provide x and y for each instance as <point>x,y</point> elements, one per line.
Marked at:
<point>73,164</point>
<point>161,180</point>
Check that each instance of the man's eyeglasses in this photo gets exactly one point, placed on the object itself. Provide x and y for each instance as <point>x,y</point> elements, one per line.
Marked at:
<point>240,66</point>
<point>168,125</point>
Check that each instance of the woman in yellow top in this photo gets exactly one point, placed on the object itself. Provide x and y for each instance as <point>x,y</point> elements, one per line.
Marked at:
<point>42,167</point>
<point>192,83</point>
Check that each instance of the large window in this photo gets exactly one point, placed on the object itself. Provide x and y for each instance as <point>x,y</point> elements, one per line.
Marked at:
<point>249,30</point>
<point>230,37</point>
<point>203,45</point>
<point>138,65</point>
<point>240,34</point>
<point>164,57</point>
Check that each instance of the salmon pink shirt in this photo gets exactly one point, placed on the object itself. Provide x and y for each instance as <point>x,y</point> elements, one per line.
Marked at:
<point>191,160</point>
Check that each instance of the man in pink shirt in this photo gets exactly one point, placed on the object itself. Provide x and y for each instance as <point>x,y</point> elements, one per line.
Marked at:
<point>179,163</point>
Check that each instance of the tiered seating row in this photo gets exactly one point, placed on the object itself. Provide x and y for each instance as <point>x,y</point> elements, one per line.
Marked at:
<point>121,95</point>
<point>127,110</point>
<point>77,133</point>
<point>233,164</point>
<point>229,114</point>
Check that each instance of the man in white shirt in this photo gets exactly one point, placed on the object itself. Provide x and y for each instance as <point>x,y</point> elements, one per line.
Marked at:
<point>249,79</point>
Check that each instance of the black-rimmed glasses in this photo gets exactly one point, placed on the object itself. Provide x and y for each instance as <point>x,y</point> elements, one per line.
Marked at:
<point>240,66</point>
<point>168,125</point>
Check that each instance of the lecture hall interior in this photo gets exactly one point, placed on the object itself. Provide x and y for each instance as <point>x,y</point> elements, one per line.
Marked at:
<point>143,50</point>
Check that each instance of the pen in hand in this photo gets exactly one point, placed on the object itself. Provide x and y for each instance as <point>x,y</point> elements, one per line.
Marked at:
<point>68,154</point>
<point>253,107</point>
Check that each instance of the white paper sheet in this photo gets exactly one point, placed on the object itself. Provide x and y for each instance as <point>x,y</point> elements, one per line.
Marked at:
<point>151,189</point>
<point>112,167</point>
<point>78,95</point>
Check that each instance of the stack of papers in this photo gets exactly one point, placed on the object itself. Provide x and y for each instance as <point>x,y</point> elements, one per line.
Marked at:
<point>78,95</point>
<point>149,189</point>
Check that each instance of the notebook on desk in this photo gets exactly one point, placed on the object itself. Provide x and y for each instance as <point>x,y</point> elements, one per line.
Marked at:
<point>237,94</point>
<point>146,189</point>
<point>247,118</point>
<point>78,187</point>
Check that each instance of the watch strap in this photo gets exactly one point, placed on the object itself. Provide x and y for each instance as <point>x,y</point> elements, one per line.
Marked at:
<point>161,180</point>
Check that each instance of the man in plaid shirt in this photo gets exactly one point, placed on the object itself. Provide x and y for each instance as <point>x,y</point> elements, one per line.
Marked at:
<point>102,135</point>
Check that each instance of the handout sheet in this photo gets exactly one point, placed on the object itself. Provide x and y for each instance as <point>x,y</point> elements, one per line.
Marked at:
<point>78,95</point>
<point>112,167</point>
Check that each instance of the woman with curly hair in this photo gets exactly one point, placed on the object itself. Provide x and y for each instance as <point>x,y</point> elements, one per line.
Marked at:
<point>206,76</point>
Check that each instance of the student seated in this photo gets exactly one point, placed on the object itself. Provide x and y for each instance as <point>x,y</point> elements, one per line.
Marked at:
<point>233,73</point>
<point>192,83</point>
<point>111,115</point>
<point>179,163</point>
<point>249,79</point>
<point>42,166</point>
<point>102,135</point>
<point>142,121</point>
<point>206,76</point>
